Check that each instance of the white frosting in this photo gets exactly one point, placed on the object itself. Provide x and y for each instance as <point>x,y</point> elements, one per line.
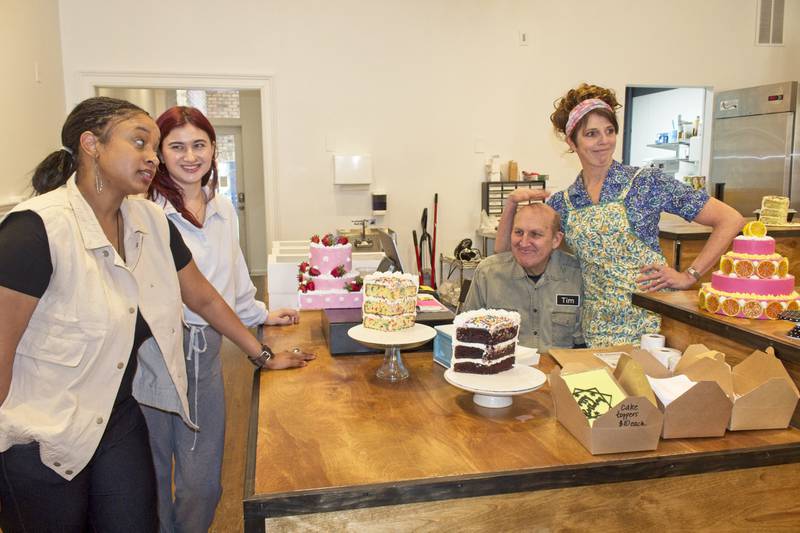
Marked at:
<point>335,246</point>
<point>388,317</point>
<point>482,346</point>
<point>377,276</point>
<point>752,238</point>
<point>481,362</point>
<point>467,316</point>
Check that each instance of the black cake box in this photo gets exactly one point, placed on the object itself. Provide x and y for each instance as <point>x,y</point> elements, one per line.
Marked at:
<point>336,323</point>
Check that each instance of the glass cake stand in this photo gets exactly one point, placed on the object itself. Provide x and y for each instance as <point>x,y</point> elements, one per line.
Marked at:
<point>497,390</point>
<point>393,369</point>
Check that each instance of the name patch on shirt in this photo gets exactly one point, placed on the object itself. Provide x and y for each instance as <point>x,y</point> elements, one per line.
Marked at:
<point>568,299</point>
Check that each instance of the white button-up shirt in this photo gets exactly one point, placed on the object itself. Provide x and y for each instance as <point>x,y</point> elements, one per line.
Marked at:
<point>71,358</point>
<point>217,254</point>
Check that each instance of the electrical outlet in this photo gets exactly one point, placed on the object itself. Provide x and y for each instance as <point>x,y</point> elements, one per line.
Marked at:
<point>523,38</point>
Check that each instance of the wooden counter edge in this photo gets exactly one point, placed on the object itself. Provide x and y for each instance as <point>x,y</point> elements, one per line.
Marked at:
<point>252,438</point>
<point>680,236</point>
<point>258,507</point>
<point>687,232</point>
<point>784,350</point>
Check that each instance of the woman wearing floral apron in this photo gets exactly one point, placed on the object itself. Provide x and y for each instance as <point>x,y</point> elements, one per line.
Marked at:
<point>610,217</point>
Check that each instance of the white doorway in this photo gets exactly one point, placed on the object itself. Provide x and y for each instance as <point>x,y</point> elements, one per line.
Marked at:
<point>232,176</point>
<point>253,149</point>
<point>667,128</point>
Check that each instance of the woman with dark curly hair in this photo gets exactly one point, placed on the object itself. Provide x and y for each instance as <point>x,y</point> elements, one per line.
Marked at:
<point>610,217</point>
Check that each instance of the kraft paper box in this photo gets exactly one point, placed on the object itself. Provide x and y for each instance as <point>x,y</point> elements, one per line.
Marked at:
<point>633,424</point>
<point>705,409</point>
<point>765,395</point>
<point>586,356</point>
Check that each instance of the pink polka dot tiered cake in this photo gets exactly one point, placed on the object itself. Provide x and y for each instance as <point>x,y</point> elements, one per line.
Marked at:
<point>752,282</point>
<point>327,280</point>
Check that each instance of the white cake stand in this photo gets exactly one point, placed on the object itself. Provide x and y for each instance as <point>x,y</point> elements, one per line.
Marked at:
<point>393,369</point>
<point>497,390</point>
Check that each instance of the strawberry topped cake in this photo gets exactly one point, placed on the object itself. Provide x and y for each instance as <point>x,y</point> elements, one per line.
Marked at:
<point>752,280</point>
<point>326,279</point>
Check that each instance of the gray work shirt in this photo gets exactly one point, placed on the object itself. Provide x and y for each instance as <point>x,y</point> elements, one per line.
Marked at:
<point>550,309</point>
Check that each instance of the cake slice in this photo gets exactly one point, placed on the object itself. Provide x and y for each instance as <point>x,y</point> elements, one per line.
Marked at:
<point>390,301</point>
<point>485,341</point>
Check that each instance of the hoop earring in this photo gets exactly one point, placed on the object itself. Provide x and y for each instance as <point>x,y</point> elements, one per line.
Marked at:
<point>98,181</point>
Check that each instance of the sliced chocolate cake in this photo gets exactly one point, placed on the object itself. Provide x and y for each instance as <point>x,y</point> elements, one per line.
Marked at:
<point>485,342</point>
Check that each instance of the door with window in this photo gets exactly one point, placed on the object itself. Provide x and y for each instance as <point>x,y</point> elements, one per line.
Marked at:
<point>231,174</point>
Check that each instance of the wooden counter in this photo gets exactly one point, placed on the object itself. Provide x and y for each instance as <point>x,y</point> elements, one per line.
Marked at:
<point>682,241</point>
<point>331,447</point>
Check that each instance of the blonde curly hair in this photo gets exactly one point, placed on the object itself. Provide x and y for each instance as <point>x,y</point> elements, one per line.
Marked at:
<point>582,92</point>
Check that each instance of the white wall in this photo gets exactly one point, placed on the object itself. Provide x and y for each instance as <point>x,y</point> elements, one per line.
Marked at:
<point>414,83</point>
<point>32,111</point>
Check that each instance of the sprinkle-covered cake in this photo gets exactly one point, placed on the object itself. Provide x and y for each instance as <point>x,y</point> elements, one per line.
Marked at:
<point>752,280</point>
<point>485,341</point>
<point>390,301</point>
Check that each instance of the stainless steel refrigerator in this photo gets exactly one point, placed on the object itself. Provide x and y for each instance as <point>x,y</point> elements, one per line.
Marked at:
<point>755,149</point>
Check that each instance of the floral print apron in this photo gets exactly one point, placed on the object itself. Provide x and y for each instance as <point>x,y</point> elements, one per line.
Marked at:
<point>610,255</point>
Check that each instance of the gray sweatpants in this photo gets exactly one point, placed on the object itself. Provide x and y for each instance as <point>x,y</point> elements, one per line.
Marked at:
<point>197,454</point>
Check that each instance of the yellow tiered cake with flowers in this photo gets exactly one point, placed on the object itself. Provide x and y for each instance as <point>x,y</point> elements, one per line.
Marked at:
<point>753,281</point>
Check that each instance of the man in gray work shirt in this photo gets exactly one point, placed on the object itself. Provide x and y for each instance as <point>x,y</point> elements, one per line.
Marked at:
<point>540,282</point>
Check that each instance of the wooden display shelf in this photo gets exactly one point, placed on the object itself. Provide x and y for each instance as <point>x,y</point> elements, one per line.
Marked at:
<point>331,445</point>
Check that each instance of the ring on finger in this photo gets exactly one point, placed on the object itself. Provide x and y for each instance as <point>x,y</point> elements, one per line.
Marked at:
<point>296,350</point>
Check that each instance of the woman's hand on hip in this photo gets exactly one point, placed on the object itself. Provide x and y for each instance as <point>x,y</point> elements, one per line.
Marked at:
<point>654,277</point>
<point>282,317</point>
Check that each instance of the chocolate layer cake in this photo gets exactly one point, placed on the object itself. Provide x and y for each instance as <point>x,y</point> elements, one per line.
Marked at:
<point>485,342</point>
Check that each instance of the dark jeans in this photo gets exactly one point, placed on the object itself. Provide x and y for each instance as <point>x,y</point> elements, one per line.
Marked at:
<point>115,492</point>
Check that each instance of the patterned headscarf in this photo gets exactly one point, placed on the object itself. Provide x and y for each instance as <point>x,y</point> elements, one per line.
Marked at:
<point>580,111</point>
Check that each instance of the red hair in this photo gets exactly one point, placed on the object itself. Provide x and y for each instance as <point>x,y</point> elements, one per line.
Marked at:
<point>163,184</point>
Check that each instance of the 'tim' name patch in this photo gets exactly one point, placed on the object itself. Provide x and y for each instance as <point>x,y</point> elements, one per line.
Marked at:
<point>568,299</point>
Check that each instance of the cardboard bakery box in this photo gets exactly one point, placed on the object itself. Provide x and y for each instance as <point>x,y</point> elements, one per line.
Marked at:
<point>633,424</point>
<point>705,409</point>
<point>589,357</point>
<point>765,395</point>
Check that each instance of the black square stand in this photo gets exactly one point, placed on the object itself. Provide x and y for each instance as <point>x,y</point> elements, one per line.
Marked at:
<point>336,323</point>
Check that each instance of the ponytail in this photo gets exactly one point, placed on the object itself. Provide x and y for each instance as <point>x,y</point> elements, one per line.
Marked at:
<point>53,171</point>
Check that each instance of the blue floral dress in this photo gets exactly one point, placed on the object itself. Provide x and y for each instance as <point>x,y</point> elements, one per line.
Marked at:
<point>614,238</point>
